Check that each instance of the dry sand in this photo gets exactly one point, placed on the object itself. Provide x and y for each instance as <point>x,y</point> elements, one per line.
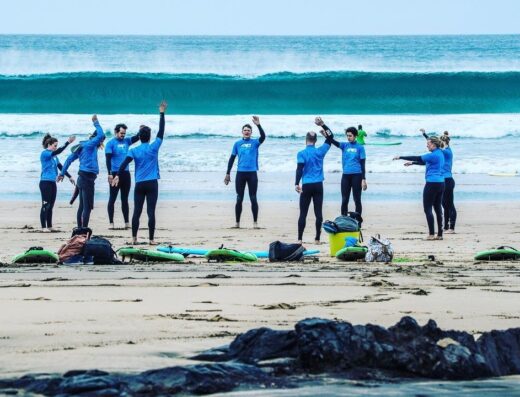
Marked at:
<point>140,316</point>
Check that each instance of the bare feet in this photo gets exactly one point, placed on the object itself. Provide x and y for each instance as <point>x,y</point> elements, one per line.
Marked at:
<point>45,230</point>
<point>255,225</point>
<point>300,242</point>
<point>127,226</point>
<point>111,227</point>
<point>317,242</point>
<point>152,242</point>
<point>438,238</point>
<point>449,231</point>
<point>237,226</point>
<point>431,237</point>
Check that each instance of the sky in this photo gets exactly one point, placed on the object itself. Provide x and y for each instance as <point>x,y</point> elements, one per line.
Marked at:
<point>260,17</point>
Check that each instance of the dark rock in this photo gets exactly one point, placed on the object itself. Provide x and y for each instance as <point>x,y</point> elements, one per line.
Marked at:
<point>264,358</point>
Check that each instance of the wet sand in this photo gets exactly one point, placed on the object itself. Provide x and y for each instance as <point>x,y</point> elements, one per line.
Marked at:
<point>141,316</point>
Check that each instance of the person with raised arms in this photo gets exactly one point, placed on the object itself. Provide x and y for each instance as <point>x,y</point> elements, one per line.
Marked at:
<point>434,187</point>
<point>115,153</point>
<point>50,166</point>
<point>353,159</point>
<point>310,172</point>
<point>146,158</point>
<point>247,151</point>
<point>88,171</point>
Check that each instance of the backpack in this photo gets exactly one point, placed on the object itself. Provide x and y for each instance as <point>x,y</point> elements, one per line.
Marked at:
<point>100,250</point>
<point>281,252</point>
<point>72,247</point>
<point>342,223</point>
<point>379,250</point>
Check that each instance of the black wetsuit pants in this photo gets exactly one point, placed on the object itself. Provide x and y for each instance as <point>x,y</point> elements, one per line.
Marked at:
<point>450,213</point>
<point>314,192</point>
<point>148,190</point>
<point>250,179</point>
<point>48,190</point>
<point>86,185</point>
<point>125,182</point>
<point>351,182</point>
<point>432,198</point>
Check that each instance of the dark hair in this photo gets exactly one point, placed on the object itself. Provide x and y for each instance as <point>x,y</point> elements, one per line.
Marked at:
<point>360,127</point>
<point>248,126</point>
<point>352,130</point>
<point>119,126</point>
<point>144,133</point>
<point>48,140</point>
<point>445,138</point>
<point>311,137</point>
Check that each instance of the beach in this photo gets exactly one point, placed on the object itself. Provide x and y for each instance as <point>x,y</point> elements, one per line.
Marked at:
<point>141,316</point>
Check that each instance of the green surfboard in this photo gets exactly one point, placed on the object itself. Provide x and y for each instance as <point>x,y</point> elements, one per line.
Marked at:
<point>351,254</point>
<point>499,254</point>
<point>383,143</point>
<point>36,255</point>
<point>227,255</point>
<point>146,255</point>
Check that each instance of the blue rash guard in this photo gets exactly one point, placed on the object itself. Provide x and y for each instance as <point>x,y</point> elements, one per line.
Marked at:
<point>87,153</point>
<point>247,152</point>
<point>352,154</point>
<point>434,165</point>
<point>118,148</point>
<point>49,166</point>
<point>312,160</point>
<point>448,163</point>
<point>146,158</point>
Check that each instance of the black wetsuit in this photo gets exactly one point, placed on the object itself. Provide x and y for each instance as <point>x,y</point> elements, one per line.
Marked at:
<point>243,178</point>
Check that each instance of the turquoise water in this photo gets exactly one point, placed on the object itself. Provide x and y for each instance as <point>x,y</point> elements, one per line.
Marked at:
<point>393,85</point>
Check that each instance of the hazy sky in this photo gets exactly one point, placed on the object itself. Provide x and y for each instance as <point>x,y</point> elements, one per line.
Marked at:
<point>260,17</point>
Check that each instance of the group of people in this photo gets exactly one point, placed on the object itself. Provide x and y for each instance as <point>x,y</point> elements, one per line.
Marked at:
<point>308,181</point>
<point>118,156</point>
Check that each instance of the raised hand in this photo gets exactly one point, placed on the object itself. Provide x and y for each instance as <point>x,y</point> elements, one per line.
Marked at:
<point>318,121</point>
<point>71,139</point>
<point>256,120</point>
<point>163,106</point>
<point>94,118</point>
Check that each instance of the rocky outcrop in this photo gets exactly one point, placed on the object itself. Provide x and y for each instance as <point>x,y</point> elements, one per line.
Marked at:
<point>263,358</point>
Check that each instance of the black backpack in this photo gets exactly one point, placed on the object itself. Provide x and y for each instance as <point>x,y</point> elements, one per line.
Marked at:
<point>281,252</point>
<point>100,249</point>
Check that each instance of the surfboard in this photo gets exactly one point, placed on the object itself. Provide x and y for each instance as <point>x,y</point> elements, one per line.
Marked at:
<point>505,174</point>
<point>383,143</point>
<point>265,254</point>
<point>146,255</point>
<point>183,251</point>
<point>351,253</point>
<point>499,254</point>
<point>36,255</point>
<point>227,255</point>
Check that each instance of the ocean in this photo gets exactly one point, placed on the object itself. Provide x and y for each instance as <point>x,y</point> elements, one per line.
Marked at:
<point>392,85</point>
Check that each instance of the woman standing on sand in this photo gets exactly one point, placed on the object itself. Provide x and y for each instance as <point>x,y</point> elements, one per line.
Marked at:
<point>247,151</point>
<point>450,213</point>
<point>146,158</point>
<point>353,160</point>
<point>88,171</point>
<point>434,187</point>
<point>50,165</point>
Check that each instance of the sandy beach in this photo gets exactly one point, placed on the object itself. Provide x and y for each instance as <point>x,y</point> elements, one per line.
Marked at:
<point>140,316</point>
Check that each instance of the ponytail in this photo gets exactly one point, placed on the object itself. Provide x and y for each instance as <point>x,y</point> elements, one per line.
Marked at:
<point>445,138</point>
<point>48,140</point>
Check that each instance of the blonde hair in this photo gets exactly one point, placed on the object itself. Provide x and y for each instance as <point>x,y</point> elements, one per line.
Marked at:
<point>436,141</point>
<point>445,138</point>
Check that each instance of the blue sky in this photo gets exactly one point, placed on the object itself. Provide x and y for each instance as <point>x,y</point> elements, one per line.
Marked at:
<point>261,17</point>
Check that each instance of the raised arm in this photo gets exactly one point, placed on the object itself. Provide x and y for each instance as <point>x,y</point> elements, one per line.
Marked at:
<point>72,157</point>
<point>424,133</point>
<point>61,149</point>
<point>135,138</point>
<point>256,120</point>
<point>100,134</point>
<point>329,136</point>
<point>162,108</point>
